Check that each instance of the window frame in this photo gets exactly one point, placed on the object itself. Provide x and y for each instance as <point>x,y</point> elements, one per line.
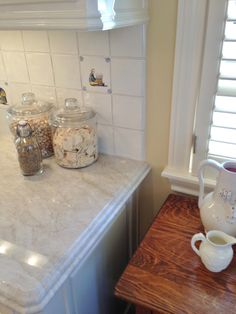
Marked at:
<point>191,34</point>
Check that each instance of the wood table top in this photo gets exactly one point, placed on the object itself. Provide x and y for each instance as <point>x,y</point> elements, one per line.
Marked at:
<point>166,276</point>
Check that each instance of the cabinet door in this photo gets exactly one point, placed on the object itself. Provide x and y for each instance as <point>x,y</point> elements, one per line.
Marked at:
<point>93,283</point>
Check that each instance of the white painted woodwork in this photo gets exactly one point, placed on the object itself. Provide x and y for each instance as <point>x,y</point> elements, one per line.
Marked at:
<point>86,15</point>
<point>192,22</point>
<point>90,286</point>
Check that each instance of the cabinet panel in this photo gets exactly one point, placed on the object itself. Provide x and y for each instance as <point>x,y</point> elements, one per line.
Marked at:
<point>93,283</point>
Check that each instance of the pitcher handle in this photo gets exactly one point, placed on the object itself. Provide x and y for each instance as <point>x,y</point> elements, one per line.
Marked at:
<point>195,238</point>
<point>203,164</point>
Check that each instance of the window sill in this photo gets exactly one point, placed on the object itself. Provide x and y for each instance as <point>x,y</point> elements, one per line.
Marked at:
<point>184,182</point>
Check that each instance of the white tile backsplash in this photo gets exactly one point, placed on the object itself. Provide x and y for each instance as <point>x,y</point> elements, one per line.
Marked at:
<point>3,75</point>
<point>16,90</point>
<point>40,68</point>
<point>132,39</point>
<point>63,93</point>
<point>63,42</point>
<point>105,139</point>
<point>36,41</point>
<point>57,64</point>
<point>16,67</point>
<point>46,93</point>
<point>128,112</point>
<point>11,41</point>
<point>101,103</point>
<point>66,71</point>
<point>129,143</point>
<point>94,43</point>
<point>128,76</point>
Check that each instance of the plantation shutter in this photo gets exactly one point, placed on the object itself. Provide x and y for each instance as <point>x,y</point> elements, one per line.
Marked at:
<point>222,139</point>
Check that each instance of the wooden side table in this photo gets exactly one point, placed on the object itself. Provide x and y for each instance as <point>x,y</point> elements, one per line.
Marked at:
<point>166,276</point>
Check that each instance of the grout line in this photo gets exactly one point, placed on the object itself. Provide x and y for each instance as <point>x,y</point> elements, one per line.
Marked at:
<point>26,61</point>
<point>80,69</point>
<point>112,104</point>
<point>121,127</point>
<point>77,54</point>
<point>53,72</point>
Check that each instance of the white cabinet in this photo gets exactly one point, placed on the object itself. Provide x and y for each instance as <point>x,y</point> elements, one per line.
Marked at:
<point>90,287</point>
<point>71,14</point>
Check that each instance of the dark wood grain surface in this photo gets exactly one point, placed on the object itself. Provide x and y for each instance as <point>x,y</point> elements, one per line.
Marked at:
<point>166,276</point>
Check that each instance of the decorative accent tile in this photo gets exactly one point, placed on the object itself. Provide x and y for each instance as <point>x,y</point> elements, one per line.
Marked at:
<point>128,41</point>
<point>36,41</point>
<point>128,112</point>
<point>128,76</point>
<point>66,71</point>
<point>6,88</point>
<point>95,74</point>
<point>45,93</point>
<point>105,139</point>
<point>63,93</point>
<point>40,68</point>
<point>101,103</point>
<point>16,68</point>
<point>94,43</point>
<point>11,41</point>
<point>129,143</point>
<point>63,42</point>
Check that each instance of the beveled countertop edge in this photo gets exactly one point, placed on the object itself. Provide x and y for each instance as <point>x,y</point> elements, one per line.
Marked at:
<point>82,248</point>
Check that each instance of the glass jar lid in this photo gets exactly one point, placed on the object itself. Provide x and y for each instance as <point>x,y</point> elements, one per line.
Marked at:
<point>72,112</point>
<point>29,106</point>
<point>23,129</point>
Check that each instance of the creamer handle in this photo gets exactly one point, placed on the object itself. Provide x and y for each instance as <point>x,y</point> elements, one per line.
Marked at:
<point>203,164</point>
<point>195,238</point>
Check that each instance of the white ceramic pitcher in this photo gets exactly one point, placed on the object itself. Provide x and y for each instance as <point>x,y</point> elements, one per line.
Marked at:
<point>218,208</point>
<point>215,250</point>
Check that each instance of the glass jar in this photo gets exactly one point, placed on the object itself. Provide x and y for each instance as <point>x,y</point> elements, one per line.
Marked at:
<point>29,154</point>
<point>38,114</point>
<point>75,135</point>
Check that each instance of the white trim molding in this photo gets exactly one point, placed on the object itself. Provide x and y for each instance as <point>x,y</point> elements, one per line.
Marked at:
<point>85,15</point>
<point>190,37</point>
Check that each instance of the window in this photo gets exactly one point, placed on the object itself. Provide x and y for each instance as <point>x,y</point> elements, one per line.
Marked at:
<point>216,110</point>
<point>197,131</point>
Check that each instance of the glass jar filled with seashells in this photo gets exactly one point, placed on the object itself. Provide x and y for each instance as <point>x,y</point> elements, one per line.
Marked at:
<point>75,135</point>
<point>38,114</point>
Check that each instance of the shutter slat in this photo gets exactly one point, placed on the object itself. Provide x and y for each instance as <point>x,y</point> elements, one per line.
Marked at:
<point>229,49</point>
<point>228,69</point>
<point>227,104</point>
<point>231,14</point>
<point>230,30</point>
<point>224,120</point>
<point>220,134</point>
<point>222,149</point>
<point>226,88</point>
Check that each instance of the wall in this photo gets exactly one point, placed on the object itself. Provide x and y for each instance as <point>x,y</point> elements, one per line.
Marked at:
<point>57,64</point>
<point>121,123</point>
<point>160,63</point>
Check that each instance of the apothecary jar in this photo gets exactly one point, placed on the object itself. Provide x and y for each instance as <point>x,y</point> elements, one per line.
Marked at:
<point>38,114</point>
<point>75,135</point>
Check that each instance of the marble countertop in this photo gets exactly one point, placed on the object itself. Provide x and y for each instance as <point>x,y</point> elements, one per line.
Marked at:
<point>46,221</point>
